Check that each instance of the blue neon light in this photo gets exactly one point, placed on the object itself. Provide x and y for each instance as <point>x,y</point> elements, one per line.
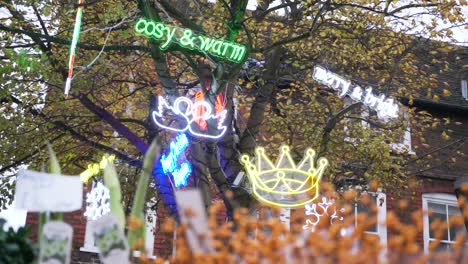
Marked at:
<point>181,175</point>
<point>169,162</point>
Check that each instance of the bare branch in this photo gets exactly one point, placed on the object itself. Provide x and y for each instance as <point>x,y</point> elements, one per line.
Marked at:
<point>111,120</point>
<point>37,36</point>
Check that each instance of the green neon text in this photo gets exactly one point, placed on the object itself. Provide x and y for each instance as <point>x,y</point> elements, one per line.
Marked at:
<point>186,38</point>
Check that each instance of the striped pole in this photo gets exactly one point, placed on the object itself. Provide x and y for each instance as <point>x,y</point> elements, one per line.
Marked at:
<point>76,35</point>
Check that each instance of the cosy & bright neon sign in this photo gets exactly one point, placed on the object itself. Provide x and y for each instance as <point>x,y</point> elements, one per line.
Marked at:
<point>186,38</point>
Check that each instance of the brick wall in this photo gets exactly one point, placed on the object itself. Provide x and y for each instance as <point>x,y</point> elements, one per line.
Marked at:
<point>78,222</point>
<point>162,241</point>
<point>449,157</point>
<point>414,197</point>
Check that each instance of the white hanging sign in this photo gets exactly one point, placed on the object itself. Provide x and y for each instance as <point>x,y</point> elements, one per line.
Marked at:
<point>385,108</point>
<point>197,234</point>
<point>56,243</point>
<point>40,192</point>
<point>110,239</point>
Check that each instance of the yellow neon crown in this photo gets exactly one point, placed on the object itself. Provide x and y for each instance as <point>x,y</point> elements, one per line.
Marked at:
<point>285,184</point>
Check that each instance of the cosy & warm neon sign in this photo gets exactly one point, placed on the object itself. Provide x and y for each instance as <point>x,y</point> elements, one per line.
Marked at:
<point>169,161</point>
<point>192,116</point>
<point>186,38</point>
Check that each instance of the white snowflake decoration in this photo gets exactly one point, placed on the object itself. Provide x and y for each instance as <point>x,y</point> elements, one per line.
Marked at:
<point>311,210</point>
<point>97,202</point>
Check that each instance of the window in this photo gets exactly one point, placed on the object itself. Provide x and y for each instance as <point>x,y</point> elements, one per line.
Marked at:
<point>380,228</point>
<point>315,210</point>
<point>464,89</point>
<point>89,245</point>
<point>403,145</point>
<point>443,207</point>
<point>149,235</point>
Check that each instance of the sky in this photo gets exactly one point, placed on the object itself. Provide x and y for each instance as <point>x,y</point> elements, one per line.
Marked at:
<point>460,33</point>
<point>16,218</point>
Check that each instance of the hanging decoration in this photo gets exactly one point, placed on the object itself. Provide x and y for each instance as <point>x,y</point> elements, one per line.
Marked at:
<point>169,162</point>
<point>186,38</point>
<point>76,35</point>
<point>56,242</point>
<point>201,119</point>
<point>97,202</point>
<point>320,209</point>
<point>285,184</point>
<point>385,108</point>
<point>93,169</point>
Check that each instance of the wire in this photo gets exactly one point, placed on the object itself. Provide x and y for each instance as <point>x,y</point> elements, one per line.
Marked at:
<point>87,67</point>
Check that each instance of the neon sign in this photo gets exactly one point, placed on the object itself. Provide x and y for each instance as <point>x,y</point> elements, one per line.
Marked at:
<point>317,214</point>
<point>186,38</point>
<point>76,35</point>
<point>385,108</point>
<point>169,161</point>
<point>190,116</point>
<point>285,184</point>
<point>93,169</point>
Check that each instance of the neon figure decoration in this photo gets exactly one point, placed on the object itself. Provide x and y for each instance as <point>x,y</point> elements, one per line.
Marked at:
<point>285,184</point>
<point>192,117</point>
<point>385,108</point>
<point>76,35</point>
<point>186,38</point>
<point>169,161</point>
<point>325,205</point>
<point>93,169</point>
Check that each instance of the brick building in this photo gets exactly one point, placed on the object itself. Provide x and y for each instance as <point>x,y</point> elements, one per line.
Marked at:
<point>440,178</point>
<point>436,181</point>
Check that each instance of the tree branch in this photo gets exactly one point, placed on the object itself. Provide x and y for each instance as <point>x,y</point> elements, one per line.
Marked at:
<point>111,120</point>
<point>35,35</point>
<point>181,17</point>
<point>44,28</point>
<point>61,125</point>
<point>309,33</point>
<point>28,156</point>
<point>257,111</point>
<point>331,123</point>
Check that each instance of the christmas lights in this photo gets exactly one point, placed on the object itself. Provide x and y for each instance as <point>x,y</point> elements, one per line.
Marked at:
<point>385,108</point>
<point>285,184</point>
<point>76,35</point>
<point>93,169</point>
<point>190,116</point>
<point>186,38</point>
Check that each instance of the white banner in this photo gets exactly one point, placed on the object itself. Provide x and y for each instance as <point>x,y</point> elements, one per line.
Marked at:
<point>40,192</point>
<point>192,213</point>
<point>56,243</point>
